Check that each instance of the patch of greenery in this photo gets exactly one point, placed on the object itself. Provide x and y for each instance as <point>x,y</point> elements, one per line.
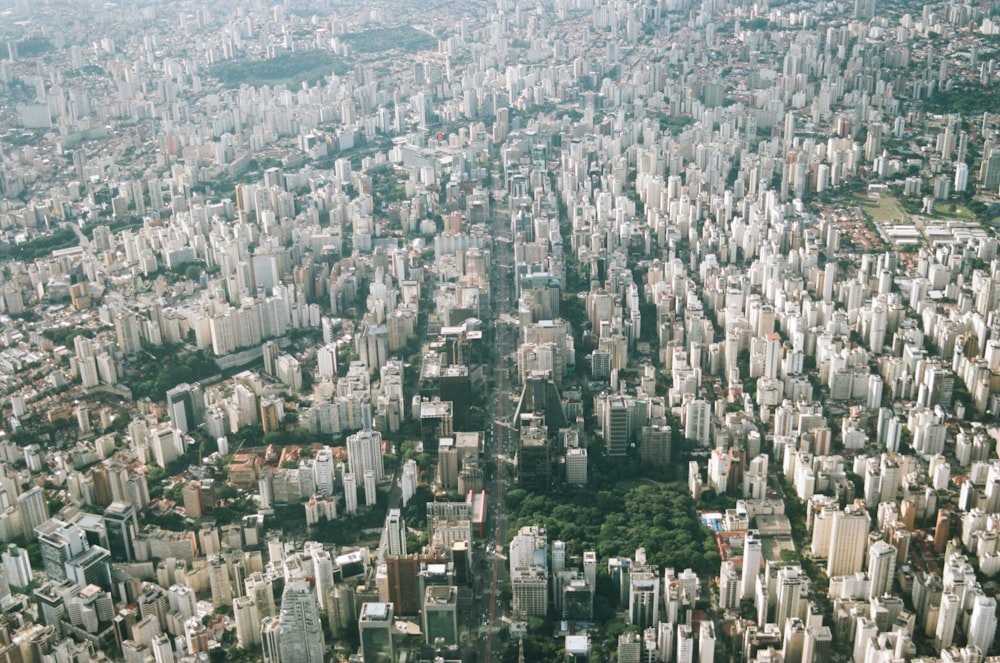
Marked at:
<point>65,335</point>
<point>159,369</point>
<point>962,99</point>
<point>31,47</point>
<point>658,517</point>
<point>405,38</point>
<point>289,69</point>
<point>63,238</point>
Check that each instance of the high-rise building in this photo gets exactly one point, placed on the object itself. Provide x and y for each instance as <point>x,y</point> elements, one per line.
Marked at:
<point>59,542</point>
<point>989,173</point>
<point>440,615</point>
<point>247,622</point>
<point>409,480</point>
<point>654,446</point>
<point>301,631</point>
<point>323,471</point>
<point>644,597</point>
<point>982,625</point>
<point>260,588</point>
<point>881,568</point>
<point>364,452</point>
<point>616,425</point>
<point>371,493</point>
<point>534,465</point>
<point>685,644</point>
<point>375,628</point>
<point>270,639</point>
<point>17,566</point>
<point>790,603</point>
<point>697,417</point>
<point>817,646</point>
<point>629,648</point>
<point>186,406</point>
<point>729,586</point>
<point>122,525</point>
<point>219,581</point>
<point>948,613</point>
<point>706,642</point>
<point>848,539</point>
<point>794,641</point>
<point>395,533</point>
<point>33,510</point>
<point>751,564</point>
<point>350,493</point>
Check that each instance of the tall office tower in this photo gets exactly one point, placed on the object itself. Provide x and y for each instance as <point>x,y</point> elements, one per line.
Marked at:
<point>729,586</point>
<point>364,452</point>
<point>848,538</point>
<point>440,613</point>
<point>59,542</point>
<point>590,568</point>
<point>371,494</point>
<point>816,648</point>
<point>122,525</point>
<point>654,445</point>
<point>375,628</point>
<point>409,480</point>
<point>558,556</point>
<point>323,471</point>
<point>881,568</point>
<point>350,493</point>
<point>617,420</point>
<point>33,510</point>
<point>644,598</point>
<point>301,631</point>
<point>751,564</point>
<point>91,567</point>
<point>944,634</point>
<point>790,604</point>
<point>989,172</point>
<point>185,405</point>
<point>247,622</point>
<point>983,623</point>
<point>395,534</point>
<point>629,648</point>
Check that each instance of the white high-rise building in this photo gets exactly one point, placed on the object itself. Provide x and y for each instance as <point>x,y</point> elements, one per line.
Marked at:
<point>848,539</point>
<point>395,533</point>
<point>323,471</point>
<point>729,586</point>
<point>881,568</point>
<point>371,494</point>
<point>364,452</point>
<point>350,493</point>
<point>301,631</point>
<point>944,634</point>
<point>409,480</point>
<point>865,630</point>
<point>751,564</point>
<point>685,644</point>
<point>247,621</point>
<point>790,602</point>
<point>983,623</point>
